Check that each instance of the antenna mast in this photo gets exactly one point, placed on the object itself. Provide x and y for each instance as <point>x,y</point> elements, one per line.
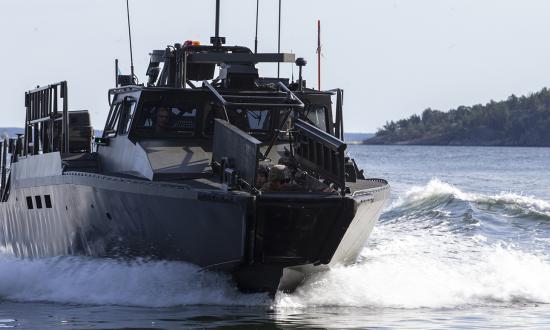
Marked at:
<point>130,37</point>
<point>319,54</point>
<point>216,40</point>
<point>256,37</point>
<point>279,41</point>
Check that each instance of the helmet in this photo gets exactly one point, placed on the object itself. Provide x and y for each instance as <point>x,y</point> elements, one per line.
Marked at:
<point>279,173</point>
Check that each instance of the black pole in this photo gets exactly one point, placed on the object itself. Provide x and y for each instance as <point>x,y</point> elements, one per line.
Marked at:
<point>130,37</point>
<point>279,42</point>
<point>300,62</point>
<point>256,38</point>
<point>217,32</point>
<point>65,96</point>
<point>216,40</point>
<point>116,72</point>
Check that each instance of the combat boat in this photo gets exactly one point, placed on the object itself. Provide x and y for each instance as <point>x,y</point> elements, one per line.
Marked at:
<point>207,163</point>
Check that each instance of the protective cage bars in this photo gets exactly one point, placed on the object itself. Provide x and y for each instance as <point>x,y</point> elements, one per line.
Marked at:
<point>46,129</point>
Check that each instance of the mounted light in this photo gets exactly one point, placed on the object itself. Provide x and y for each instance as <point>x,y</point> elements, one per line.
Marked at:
<point>196,43</point>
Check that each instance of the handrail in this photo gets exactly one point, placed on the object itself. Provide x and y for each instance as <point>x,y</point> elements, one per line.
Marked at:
<point>42,112</point>
<point>215,92</point>
<point>219,97</point>
<point>292,95</point>
<point>339,122</point>
<point>299,104</point>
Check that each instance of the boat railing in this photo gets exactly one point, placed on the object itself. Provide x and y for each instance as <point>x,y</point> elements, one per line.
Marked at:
<point>297,103</point>
<point>339,120</point>
<point>47,119</point>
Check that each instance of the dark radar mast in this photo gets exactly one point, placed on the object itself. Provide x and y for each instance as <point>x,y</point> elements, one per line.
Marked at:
<point>209,163</point>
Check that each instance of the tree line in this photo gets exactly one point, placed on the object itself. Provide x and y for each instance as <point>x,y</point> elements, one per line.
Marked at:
<point>517,121</point>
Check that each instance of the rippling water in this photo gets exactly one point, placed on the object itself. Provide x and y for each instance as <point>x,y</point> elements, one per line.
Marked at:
<point>464,243</point>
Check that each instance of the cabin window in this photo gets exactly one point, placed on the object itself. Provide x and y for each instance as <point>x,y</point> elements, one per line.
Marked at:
<point>29,203</point>
<point>48,201</point>
<point>171,120</point>
<point>128,112</point>
<point>38,200</point>
<point>112,121</point>
<point>256,122</point>
<point>253,121</point>
<point>258,119</point>
<point>317,116</point>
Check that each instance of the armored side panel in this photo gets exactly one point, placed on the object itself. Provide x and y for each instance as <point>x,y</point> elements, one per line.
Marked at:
<point>241,148</point>
<point>320,152</point>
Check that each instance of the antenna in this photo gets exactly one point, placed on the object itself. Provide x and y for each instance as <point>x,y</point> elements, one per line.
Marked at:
<point>319,54</point>
<point>130,37</point>
<point>216,40</point>
<point>279,41</point>
<point>116,72</point>
<point>256,37</point>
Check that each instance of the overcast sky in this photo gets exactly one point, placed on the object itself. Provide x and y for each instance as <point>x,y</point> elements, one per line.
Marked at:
<point>392,58</point>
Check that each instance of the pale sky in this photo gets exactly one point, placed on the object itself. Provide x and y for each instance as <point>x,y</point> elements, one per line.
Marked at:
<point>393,58</point>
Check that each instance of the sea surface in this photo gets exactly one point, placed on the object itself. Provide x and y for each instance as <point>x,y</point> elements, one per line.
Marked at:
<point>464,242</point>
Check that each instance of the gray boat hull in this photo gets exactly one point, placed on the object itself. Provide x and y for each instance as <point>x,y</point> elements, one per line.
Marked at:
<point>268,242</point>
<point>98,215</point>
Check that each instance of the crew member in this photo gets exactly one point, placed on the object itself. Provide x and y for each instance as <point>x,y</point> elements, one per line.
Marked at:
<point>261,176</point>
<point>279,180</point>
<point>162,120</point>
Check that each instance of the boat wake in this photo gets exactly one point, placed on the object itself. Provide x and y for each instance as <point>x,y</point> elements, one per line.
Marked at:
<point>438,247</point>
<point>81,280</point>
<point>420,271</point>
<point>435,246</point>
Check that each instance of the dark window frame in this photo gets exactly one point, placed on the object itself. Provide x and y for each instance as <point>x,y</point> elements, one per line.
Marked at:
<point>30,205</point>
<point>113,120</point>
<point>317,107</point>
<point>38,201</point>
<point>142,114</point>
<point>127,115</point>
<point>48,201</point>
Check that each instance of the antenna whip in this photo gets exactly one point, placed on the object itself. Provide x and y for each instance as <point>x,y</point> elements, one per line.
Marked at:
<point>319,54</point>
<point>279,41</point>
<point>130,37</point>
<point>256,37</point>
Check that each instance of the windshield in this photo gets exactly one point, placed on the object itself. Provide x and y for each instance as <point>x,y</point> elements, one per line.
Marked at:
<point>316,115</point>
<point>256,122</point>
<point>190,120</point>
<point>251,120</point>
<point>168,120</point>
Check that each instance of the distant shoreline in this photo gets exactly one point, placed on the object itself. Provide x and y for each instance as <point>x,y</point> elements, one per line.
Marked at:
<point>515,122</point>
<point>365,143</point>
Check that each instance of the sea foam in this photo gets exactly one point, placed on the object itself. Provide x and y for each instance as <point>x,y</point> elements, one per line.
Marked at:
<point>408,273</point>
<point>437,192</point>
<point>82,280</point>
<point>404,265</point>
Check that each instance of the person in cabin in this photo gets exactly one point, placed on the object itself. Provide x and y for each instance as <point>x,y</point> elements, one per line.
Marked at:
<point>261,176</point>
<point>162,120</point>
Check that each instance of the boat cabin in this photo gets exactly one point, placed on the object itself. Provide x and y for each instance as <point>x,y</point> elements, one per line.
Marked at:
<point>188,126</point>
